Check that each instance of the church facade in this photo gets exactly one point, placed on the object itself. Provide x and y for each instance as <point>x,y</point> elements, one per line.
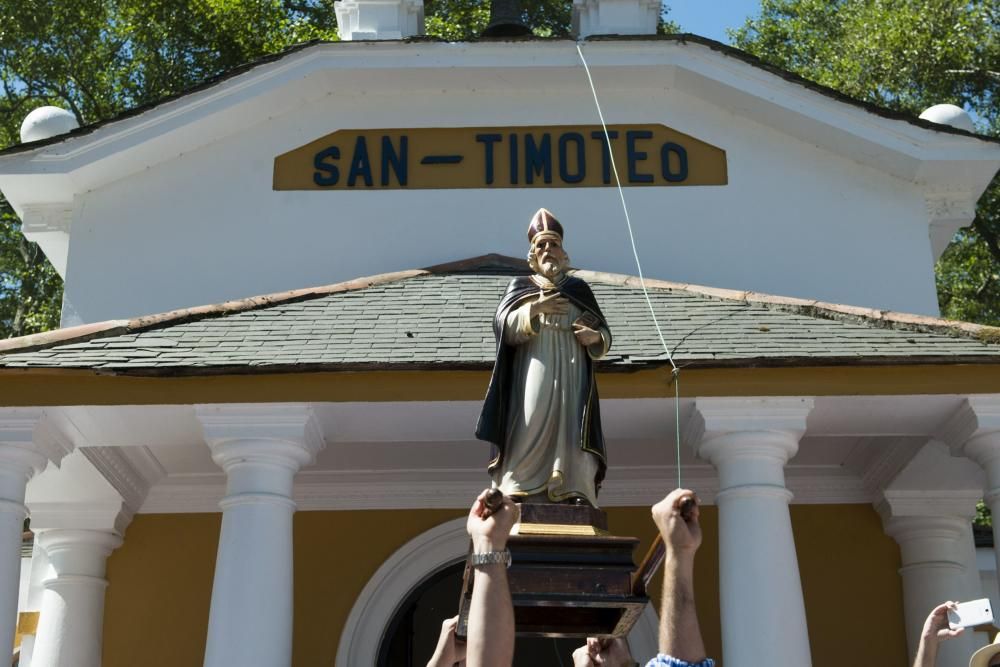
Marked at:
<point>252,441</point>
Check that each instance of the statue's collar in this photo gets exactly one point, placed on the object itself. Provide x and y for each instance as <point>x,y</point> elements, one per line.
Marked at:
<point>546,284</point>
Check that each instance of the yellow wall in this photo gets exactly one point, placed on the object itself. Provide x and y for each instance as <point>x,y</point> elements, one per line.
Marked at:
<point>156,609</point>
<point>161,581</point>
<point>849,571</point>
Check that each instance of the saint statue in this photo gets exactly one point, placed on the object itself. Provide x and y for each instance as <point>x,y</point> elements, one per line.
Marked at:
<point>542,411</point>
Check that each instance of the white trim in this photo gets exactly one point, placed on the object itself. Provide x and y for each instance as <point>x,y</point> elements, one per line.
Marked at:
<point>411,564</point>
<point>46,218</point>
<point>130,470</point>
<point>628,486</point>
<point>977,414</point>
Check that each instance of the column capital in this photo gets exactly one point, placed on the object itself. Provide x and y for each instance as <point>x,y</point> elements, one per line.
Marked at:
<point>924,505</point>
<point>723,428</point>
<point>29,441</point>
<point>71,550</point>
<point>284,434</point>
<point>906,528</point>
<point>108,516</point>
<point>973,430</point>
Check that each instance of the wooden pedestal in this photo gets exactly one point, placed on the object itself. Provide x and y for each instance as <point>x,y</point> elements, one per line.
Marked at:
<point>568,577</point>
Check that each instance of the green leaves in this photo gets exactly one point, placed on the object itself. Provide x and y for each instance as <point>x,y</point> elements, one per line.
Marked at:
<point>906,55</point>
<point>27,274</point>
<point>462,20</point>
<point>101,57</point>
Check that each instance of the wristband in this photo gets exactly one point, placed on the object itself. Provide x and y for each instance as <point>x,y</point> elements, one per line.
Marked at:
<point>490,558</point>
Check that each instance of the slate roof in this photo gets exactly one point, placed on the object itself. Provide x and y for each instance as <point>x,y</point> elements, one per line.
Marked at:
<point>681,38</point>
<point>440,318</point>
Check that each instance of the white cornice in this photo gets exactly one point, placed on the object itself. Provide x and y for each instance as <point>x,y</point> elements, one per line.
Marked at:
<point>454,489</point>
<point>878,463</point>
<point>46,218</point>
<point>37,432</point>
<point>976,415</point>
<point>947,213</point>
<point>274,88</point>
<point>130,470</point>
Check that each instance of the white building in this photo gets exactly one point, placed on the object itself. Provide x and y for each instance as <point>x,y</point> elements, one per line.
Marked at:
<point>844,447</point>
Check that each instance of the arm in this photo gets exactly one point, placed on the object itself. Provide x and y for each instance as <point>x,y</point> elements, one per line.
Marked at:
<point>490,641</point>
<point>935,631</point>
<point>449,650</point>
<point>680,635</point>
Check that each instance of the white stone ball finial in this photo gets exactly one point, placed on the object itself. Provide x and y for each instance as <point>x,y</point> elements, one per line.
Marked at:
<point>949,114</point>
<point>45,122</point>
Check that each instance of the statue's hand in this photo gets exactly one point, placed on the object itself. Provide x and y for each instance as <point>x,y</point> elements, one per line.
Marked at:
<point>551,303</point>
<point>586,335</point>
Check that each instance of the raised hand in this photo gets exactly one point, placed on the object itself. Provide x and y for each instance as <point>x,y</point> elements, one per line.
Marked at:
<point>489,530</point>
<point>449,650</point>
<point>935,631</point>
<point>680,530</point>
<point>936,626</point>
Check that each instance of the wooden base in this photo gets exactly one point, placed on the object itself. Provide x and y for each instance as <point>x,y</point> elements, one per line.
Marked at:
<point>568,577</point>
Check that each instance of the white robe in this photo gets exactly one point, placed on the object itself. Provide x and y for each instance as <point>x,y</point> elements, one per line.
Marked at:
<point>542,453</point>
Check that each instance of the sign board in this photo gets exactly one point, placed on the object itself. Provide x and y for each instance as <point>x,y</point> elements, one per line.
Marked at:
<point>558,156</point>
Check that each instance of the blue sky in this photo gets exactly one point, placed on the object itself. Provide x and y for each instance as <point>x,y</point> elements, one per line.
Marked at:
<point>710,18</point>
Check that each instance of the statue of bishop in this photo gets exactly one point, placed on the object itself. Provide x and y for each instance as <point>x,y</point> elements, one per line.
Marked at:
<point>541,410</point>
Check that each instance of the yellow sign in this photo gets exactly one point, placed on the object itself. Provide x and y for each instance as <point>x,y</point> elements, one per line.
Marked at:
<point>559,156</point>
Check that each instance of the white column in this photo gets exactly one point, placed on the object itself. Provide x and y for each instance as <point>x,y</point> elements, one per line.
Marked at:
<point>260,448</point>
<point>938,564</point>
<point>763,612</point>
<point>71,623</point>
<point>974,431</point>
<point>40,571</point>
<point>21,457</point>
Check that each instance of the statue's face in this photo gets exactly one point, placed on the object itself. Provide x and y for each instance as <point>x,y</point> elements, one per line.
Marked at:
<point>551,258</point>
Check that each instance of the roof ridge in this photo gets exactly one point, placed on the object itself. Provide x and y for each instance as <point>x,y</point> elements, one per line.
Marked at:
<point>682,38</point>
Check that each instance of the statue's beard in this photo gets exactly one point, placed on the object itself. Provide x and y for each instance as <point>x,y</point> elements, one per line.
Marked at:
<point>550,268</point>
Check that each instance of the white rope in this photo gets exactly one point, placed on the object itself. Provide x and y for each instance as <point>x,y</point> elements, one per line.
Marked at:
<point>675,371</point>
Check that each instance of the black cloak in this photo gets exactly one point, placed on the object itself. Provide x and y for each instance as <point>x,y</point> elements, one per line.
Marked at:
<point>493,419</point>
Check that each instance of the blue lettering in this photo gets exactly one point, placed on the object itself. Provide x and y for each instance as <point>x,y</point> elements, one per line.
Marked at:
<point>398,161</point>
<point>488,140</point>
<point>635,156</point>
<point>605,153</point>
<point>513,159</point>
<point>682,162</point>
<point>321,164</point>
<point>537,158</point>
<point>581,164</point>
<point>360,164</point>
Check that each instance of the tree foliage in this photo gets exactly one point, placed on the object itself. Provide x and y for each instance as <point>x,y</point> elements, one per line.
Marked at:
<point>460,20</point>
<point>906,55</point>
<point>98,58</point>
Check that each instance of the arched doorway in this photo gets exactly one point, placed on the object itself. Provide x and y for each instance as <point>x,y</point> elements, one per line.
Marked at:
<point>420,579</point>
<point>412,634</point>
